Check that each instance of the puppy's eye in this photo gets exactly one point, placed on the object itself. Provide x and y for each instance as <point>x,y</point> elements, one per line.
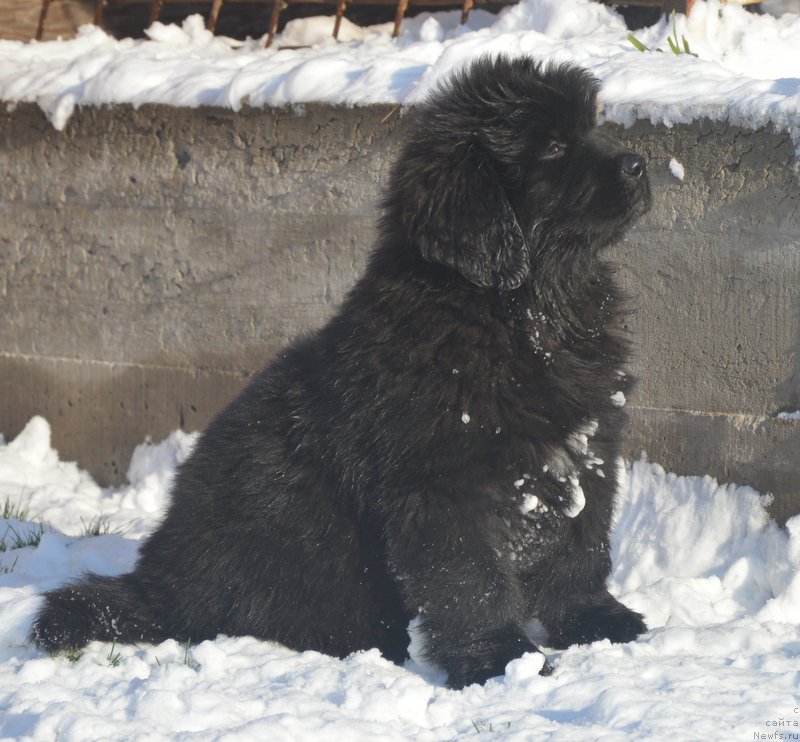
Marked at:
<point>554,150</point>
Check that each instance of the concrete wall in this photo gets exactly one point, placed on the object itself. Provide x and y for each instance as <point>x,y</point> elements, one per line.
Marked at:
<point>150,260</point>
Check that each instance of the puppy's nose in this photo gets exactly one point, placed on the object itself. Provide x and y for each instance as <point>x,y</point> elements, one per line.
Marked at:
<point>633,166</point>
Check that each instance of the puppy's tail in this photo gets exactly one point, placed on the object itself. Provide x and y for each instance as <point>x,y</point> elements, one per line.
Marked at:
<point>103,608</point>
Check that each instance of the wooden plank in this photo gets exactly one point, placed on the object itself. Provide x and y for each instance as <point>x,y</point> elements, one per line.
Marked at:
<point>416,3</point>
<point>42,16</point>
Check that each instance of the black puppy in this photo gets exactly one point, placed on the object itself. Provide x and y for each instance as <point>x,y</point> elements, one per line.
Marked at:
<point>446,444</point>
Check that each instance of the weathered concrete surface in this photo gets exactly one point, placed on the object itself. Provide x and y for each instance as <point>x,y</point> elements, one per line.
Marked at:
<point>714,272</point>
<point>151,260</point>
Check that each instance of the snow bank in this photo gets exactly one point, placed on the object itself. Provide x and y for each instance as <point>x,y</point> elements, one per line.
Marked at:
<point>718,582</point>
<point>66,498</point>
<point>747,69</point>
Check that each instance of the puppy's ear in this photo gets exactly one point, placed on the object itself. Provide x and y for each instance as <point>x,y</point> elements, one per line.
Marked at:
<point>464,220</point>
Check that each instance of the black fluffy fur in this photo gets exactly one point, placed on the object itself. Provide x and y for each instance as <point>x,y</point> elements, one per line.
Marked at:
<point>379,467</point>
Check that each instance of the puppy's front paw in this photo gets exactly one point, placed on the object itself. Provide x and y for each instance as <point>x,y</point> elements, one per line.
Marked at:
<point>619,625</point>
<point>605,619</point>
<point>485,656</point>
<point>471,670</point>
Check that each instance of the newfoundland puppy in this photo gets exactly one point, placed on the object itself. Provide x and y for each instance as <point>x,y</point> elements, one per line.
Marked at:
<point>446,445</point>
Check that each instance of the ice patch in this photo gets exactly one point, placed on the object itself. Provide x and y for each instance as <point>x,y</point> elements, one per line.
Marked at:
<point>618,399</point>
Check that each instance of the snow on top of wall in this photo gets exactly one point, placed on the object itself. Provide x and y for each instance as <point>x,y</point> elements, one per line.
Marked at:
<point>747,68</point>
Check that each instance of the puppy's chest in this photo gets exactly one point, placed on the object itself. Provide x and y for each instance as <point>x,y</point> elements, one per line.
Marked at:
<point>533,521</point>
<point>581,342</point>
<point>542,499</point>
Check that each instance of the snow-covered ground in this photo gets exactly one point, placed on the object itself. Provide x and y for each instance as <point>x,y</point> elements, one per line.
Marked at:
<point>717,581</point>
<point>747,68</point>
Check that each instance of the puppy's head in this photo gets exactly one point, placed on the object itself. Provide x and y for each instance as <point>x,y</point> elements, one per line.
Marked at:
<point>504,163</point>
